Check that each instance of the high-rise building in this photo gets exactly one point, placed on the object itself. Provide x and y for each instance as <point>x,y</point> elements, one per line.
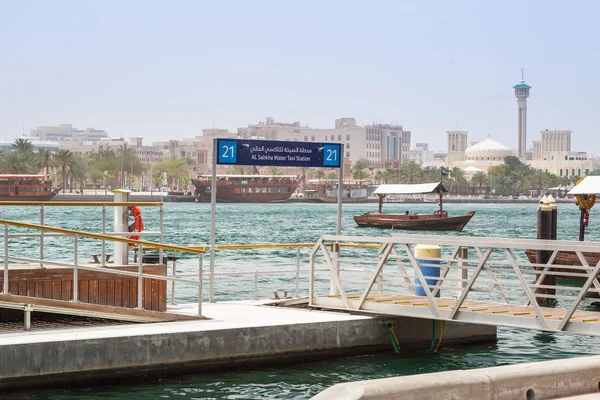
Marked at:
<point>457,144</point>
<point>522,93</point>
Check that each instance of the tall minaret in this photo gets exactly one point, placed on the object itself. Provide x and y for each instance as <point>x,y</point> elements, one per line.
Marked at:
<point>522,93</point>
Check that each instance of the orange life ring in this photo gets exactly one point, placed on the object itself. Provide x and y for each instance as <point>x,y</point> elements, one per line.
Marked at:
<point>138,222</point>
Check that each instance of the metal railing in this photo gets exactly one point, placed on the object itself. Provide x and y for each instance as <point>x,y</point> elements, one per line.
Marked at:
<point>498,273</point>
<point>103,204</point>
<point>77,266</point>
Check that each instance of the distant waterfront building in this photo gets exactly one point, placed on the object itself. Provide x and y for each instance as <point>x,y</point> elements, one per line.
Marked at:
<point>457,144</point>
<point>483,155</point>
<point>427,158</point>
<point>38,145</point>
<point>381,144</point>
<point>67,132</point>
<point>522,93</point>
<point>553,154</point>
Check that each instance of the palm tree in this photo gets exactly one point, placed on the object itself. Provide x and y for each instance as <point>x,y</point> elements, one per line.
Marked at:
<point>241,170</point>
<point>22,145</point>
<point>44,161</point>
<point>77,172</point>
<point>410,172</point>
<point>273,170</point>
<point>19,163</point>
<point>458,179</point>
<point>319,174</point>
<point>331,175</point>
<point>63,159</point>
<point>479,179</point>
<point>360,174</point>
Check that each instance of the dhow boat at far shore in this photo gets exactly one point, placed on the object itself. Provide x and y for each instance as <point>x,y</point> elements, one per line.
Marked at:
<point>18,187</point>
<point>326,191</point>
<point>247,188</point>
<point>439,220</point>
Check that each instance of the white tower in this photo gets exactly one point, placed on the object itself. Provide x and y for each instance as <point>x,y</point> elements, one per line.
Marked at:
<point>522,93</point>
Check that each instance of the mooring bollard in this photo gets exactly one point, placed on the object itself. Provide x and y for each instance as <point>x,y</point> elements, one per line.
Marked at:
<point>545,230</point>
<point>429,268</point>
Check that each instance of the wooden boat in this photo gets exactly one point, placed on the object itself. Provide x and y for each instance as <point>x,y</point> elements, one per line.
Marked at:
<point>567,258</point>
<point>439,220</point>
<point>18,187</point>
<point>247,188</point>
<point>326,191</point>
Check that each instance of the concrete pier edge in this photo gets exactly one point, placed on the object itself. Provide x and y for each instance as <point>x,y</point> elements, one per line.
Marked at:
<point>188,347</point>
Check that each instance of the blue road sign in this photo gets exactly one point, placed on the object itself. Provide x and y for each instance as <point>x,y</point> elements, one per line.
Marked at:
<point>278,153</point>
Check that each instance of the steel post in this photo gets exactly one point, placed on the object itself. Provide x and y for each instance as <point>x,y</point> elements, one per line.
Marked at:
<point>140,282</point>
<point>297,293</point>
<point>213,223</point>
<point>41,236</point>
<point>103,262</point>
<point>5,289</point>
<point>161,228</point>
<point>173,283</point>
<point>200,285</point>
<point>75,270</point>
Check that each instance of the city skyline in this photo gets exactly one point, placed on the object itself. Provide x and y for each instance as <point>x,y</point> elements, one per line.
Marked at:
<point>157,71</point>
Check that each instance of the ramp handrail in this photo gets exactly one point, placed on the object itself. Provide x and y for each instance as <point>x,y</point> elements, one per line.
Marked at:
<point>495,270</point>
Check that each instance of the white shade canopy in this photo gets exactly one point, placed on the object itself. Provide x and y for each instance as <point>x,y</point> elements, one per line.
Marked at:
<point>589,185</point>
<point>420,188</point>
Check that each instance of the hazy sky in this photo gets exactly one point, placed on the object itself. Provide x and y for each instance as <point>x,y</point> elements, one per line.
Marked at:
<point>167,69</point>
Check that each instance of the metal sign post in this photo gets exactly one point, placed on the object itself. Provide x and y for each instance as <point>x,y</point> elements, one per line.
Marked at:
<point>271,153</point>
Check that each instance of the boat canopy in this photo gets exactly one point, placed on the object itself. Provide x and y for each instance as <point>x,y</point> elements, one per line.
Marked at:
<point>420,188</point>
<point>589,185</point>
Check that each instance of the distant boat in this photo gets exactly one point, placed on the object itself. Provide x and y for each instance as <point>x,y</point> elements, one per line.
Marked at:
<point>439,220</point>
<point>19,187</point>
<point>247,188</point>
<point>326,191</point>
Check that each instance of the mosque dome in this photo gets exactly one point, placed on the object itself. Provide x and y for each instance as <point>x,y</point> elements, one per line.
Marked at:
<point>488,149</point>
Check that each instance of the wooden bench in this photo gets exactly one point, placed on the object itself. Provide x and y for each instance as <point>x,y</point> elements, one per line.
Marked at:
<point>97,260</point>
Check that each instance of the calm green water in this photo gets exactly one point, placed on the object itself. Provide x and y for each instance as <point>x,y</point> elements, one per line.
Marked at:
<point>189,223</point>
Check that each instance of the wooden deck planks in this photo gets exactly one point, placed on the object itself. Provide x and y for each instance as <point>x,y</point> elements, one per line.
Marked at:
<point>480,307</point>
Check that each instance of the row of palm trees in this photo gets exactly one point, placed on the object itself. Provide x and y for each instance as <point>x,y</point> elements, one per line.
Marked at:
<point>23,160</point>
<point>511,178</point>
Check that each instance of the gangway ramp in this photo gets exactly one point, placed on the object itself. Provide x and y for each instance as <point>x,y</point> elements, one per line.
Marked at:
<point>495,284</point>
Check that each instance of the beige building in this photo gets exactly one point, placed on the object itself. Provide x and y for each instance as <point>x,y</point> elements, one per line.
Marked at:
<point>381,144</point>
<point>457,144</point>
<point>67,132</point>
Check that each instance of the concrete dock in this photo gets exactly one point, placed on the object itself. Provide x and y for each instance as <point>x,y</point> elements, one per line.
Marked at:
<point>237,334</point>
<point>573,378</point>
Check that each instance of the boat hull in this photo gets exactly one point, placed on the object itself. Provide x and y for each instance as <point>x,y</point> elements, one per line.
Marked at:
<point>414,222</point>
<point>44,197</point>
<point>257,192</point>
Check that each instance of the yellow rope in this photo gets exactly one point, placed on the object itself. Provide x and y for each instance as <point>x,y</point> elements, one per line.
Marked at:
<point>441,336</point>
<point>395,337</point>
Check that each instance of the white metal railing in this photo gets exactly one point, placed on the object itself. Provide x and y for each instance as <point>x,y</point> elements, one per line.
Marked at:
<point>497,273</point>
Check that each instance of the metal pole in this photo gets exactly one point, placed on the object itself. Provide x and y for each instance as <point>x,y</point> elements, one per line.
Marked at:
<point>140,304</point>
<point>297,272</point>
<point>5,289</point>
<point>338,230</point>
<point>104,233</point>
<point>200,285</point>
<point>174,275</point>
<point>213,223</point>
<point>75,271</point>
<point>41,236</point>
<point>161,225</point>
